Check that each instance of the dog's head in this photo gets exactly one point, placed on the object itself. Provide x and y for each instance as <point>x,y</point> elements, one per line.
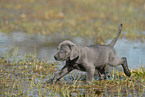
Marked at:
<point>66,51</point>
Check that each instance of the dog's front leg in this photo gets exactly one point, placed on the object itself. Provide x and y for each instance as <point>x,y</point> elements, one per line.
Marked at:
<point>90,73</point>
<point>65,70</point>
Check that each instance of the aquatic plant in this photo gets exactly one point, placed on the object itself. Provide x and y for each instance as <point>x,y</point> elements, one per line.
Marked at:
<point>25,77</point>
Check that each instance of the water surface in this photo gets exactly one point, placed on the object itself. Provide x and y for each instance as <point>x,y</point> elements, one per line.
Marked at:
<point>44,46</point>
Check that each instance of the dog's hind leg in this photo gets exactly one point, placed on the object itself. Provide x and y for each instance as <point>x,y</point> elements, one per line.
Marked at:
<point>101,72</point>
<point>115,61</point>
<point>125,67</point>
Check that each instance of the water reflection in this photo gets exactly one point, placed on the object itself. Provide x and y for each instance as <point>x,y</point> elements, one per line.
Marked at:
<point>45,46</point>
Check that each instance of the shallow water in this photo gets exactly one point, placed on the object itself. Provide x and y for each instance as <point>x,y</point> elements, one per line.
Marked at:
<point>134,51</point>
<point>45,46</point>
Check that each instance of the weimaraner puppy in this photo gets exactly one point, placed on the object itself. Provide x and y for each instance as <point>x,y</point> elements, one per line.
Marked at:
<point>88,58</point>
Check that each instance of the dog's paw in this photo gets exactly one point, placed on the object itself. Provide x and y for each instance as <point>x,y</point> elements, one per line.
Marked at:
<point>48,82</point>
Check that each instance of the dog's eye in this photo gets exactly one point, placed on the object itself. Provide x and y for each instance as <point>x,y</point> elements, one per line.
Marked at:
<point>62,50</point>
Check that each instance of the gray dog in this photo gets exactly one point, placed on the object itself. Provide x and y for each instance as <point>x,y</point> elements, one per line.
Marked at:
<point>88,58</point>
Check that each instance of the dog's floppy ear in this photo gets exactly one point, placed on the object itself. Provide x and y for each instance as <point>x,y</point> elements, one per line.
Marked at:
<point>74,52</point>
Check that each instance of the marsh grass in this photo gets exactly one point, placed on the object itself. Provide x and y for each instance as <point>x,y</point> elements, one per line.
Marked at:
<point>25,77</point>
<point>98,19</point>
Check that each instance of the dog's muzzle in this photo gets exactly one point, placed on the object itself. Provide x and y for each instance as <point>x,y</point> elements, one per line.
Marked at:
<point>57,58</point>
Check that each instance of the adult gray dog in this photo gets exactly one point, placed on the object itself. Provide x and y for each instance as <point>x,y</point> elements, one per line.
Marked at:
<point>88,58</point>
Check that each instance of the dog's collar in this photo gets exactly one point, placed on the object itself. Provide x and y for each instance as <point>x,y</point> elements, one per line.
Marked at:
<point>74,60</point>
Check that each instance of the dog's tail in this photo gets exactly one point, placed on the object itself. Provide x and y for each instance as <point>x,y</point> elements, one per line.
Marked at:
<point>115,39</point>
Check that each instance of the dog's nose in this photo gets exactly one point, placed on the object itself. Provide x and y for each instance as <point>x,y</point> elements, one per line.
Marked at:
<point>55,57</point>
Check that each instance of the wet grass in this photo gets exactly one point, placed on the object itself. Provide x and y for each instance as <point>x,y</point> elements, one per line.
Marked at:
<point>95,19</point>
<point>24,77</point>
